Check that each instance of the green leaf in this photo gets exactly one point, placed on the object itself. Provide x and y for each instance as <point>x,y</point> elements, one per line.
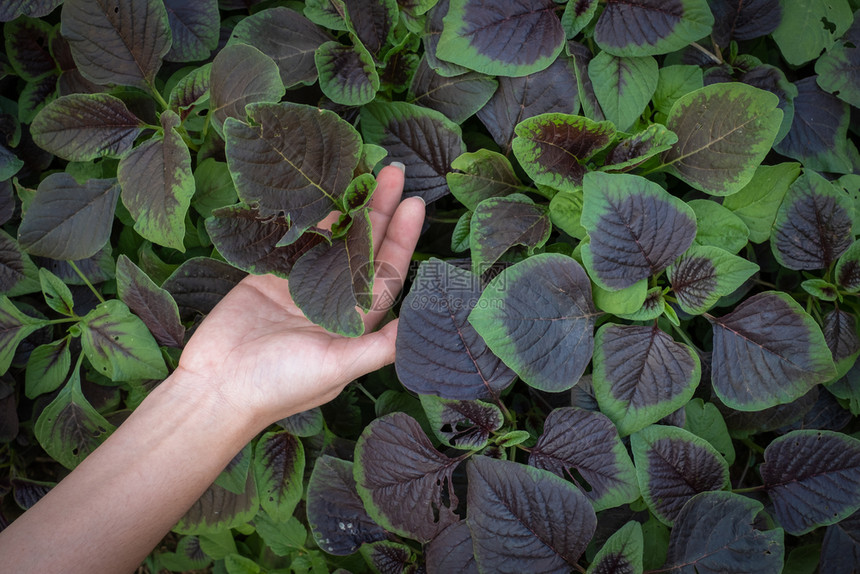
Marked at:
<point>279,465</point>
<point>848,269</point>
<point>623,86</point>
<point>621,553</point>
<point>69,428</point>
<point>821,289</point>
<point>500,223</point>
<point>537,316</point>
<point>57,294</point>
<point>282,538</point>
<point>808,28</point>
<point>119,345</point>
<point>652,307</point>
<point>82,127</point>
<point>703,274</point>
<point>120,43</point>
<point>485,174</point>
<point>837,69</point>
<point>577,15</point>
<point>533,36</point>
<point>673,83</point>
<point>192,89</point>
<point>634,150</point>
<point>27,42</point>
<point>758,202</point>
<point>241,75</point>
<point>565,211</point>
<point>718,226</point>
<point>724,132</point>
<point>622,301</point>
<point>347,74</point>
<point>235,474</point>
<point>705,420</point>
<point>640,375</point>
<point>217,511</point>
<point>552,148</point>
<point>68,221</point>
<point>213,187</point>
<point>157,185</point>
<point>47,367</point>
<point>674,465</point>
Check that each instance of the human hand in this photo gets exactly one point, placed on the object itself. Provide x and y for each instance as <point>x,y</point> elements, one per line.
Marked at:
<point>258,351</point>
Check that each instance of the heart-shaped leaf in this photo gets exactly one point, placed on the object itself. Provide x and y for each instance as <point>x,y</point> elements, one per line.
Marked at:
<point>438,350</point>
<point>703,274</point>
<point>82,127</point>
<point>716,533</point>
<point>458,97</point>
<point>538,317</point>
<point>724,131</point>
<point>623,86</point>
<point>242,75</point>
<point>674,465</point>
<point>117,42</point>
<point>622,553</point>
<point>157,185</point>
<point>641,375</point>
<point>69,428</point>
<point>515,527</point>
<point>347,74</point>
<point>395,462</point>
<point>119,345</point>
<point>585,447</point>
<point>767,352</point>
<point>501,223</point>
<point>462,424</point>
<point>294,159</point>
<point>552,148</point>
<point>643,27</point>
<point>553,90</point>
<point>424,140</point>
<point>279,466</point>
<point>66,220</point>
<point>194,28</point>
<point>532,32</point>
<point>814,224</point>
<point>636,228</point>
<point>336,514</point>
<point>813,478</point>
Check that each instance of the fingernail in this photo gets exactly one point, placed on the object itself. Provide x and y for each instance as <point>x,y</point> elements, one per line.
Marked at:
<point>398,165</point>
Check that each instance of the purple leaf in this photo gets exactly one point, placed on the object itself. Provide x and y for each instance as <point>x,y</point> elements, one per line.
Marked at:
<point>153,305</point>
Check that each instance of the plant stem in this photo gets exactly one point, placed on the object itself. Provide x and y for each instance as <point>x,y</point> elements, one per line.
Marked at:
<point>752,446</point>
<point>748,489</point>
<point>361,388</point>
<point>707,52</point>
<point>87,281</point>
<point>683,335</point>
<point>158,97</point>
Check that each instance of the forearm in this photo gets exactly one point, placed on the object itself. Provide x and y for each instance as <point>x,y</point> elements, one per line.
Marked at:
<point>109,513</point>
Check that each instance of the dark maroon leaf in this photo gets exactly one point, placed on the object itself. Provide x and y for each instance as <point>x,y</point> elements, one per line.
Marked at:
<point>500,223</point>
<point>286,37</point>
<point>406,485</point>
<point>66,220</point>
<point>538,317</point>
<point>27,46</point>
<point>13,263</point>
<point>7,200</point>
<point>577,442</point>
<point>458,97</point>
<point>438,351</point>
<point>432,30</point>
<point>424,140</point>
<point>218,508</point>
<point>389,557</point>
<point>11,9</point>
<point>115,42</point>
<point>744,19</point>
<point>249,241</point>
<point>813,226</point>
<point>825,414</point>
<point>28,492</point>
<point>622,553</point>
<point>465,425</point>
<point>98,268</point>
<point>581,56</point>
<point>279,466</point>
<point>553,90</point>
<point>198,284</point>
<point>716,533</point>
<point>643,27</point>
<point>294,159</point>
<point>640,375</point>
<point>767,351</point>
<point>673,466</point>
<point>153,305</point>
<point>451,551</point>
<point>242,75</point>
<point>636,228</point>
<point>524,519</point>
<point>304,424</point>
<point>840,332</point>
<point>36,95</point>
<point>749,422</point>
<point>194,27</point>
<point>840,549</point>
<point>372,21</point>
<point>848,269</point>
<point>336,514</point>
<point>532,34</point>
<point>818,133</point>
<point>82,127</point>
<point>813,478</point>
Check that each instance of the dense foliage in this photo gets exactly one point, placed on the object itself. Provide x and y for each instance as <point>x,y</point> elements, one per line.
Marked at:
<point>629,340</point>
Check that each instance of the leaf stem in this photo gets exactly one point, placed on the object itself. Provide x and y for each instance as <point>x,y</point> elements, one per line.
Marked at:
<point>158,97</point>
<point>707,52</point>
<point>366,393</point>
<point>72,319</point>
<point>683,335</point>
<point>752,446</point>
<point>86,281</point>
<point>748,489</point>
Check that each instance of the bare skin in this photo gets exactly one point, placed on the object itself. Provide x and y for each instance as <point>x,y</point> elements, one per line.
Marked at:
<point>254,360</point>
